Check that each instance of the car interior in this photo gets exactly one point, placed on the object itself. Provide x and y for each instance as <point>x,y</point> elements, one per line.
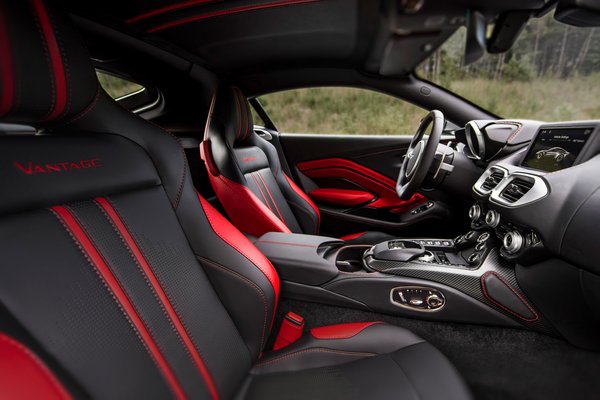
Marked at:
<point>162,238</point>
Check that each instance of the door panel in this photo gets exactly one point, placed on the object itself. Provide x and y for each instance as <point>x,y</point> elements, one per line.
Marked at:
<point>352,179</point>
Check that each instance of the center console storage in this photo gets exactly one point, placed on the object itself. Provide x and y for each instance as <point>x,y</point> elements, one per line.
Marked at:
<point>462,279</point>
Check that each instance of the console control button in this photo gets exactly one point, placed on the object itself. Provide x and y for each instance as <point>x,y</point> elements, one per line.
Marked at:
<point>470,235</point>
<point>480,246</point>
<point>483,237</point>
<point>474,258</point>
<point>417,298</point>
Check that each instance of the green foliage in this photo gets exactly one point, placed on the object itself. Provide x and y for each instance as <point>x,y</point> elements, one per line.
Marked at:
<point>116,87</point>
<point>341,111</point>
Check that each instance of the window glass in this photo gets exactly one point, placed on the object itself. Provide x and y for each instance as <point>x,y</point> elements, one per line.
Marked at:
<point>552,73</point>
<point>341,110</point>
<point>117,87</point>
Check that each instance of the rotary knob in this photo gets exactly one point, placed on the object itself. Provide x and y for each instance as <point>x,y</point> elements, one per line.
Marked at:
<point>513,242</point>
<point>434,301</point>
<point>492,218</point>
<point>475,212</point>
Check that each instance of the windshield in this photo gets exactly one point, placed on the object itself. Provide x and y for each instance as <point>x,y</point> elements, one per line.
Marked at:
<point>552,73</point>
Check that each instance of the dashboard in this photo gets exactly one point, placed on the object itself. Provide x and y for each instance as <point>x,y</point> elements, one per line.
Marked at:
<point>542,197</point>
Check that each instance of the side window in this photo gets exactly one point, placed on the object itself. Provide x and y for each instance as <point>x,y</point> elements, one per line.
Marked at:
<point>117,87</point>
<point>341,110</point>
<point>131,95</point>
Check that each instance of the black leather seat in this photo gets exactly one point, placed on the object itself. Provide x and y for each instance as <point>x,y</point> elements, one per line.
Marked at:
<point>246,174</point>
<point>118,281</point>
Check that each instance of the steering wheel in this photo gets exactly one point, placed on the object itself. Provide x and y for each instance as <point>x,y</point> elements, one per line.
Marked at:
<point>420,155</point>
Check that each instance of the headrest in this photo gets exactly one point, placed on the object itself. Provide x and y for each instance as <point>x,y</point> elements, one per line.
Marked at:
<point>46,76</point>
<point>230,116</point>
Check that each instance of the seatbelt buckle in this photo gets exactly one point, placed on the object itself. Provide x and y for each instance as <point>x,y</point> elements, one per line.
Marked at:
<point>291,329</point>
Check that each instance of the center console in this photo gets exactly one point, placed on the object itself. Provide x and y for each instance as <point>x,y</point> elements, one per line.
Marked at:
<point>462,279</point>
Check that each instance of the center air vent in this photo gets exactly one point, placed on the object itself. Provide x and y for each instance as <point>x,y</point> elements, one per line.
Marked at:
<point>492,181</point>
<point>516,189</point>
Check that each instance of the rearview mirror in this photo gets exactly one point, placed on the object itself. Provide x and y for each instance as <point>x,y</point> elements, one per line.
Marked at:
<point>475,45</point>
<point>582,13</point>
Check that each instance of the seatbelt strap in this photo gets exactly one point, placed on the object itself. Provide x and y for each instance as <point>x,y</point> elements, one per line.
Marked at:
<point>291,329</point>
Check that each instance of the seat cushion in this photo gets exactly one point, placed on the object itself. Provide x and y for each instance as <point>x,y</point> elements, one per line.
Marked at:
<point>356,361</point>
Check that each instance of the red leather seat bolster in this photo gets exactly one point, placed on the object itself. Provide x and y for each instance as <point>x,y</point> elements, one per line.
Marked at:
<point>24,376</point>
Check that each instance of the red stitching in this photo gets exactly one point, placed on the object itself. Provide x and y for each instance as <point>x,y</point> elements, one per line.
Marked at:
<point>254,286</point>
<point>286,244</point>
<point>485,292</point>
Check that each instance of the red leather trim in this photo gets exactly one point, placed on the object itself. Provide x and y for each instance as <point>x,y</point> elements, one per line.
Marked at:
<point>210,164</point>
<point>219,13</point>
<point>341,331</point>
<point>342,197</point>
<point>352,236</point>
<point>112,284</point>
<point>170,7</point>
<point>502,306</point>
<point>7,78</point>
<point>58,69</point>
<point>234,238</point>
<point>304,196</point>
<point>24,376</point>
<point>162,296</point>
<point>380,185</point>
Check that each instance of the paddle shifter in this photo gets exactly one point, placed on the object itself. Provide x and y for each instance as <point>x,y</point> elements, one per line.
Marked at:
<point>398,250</point>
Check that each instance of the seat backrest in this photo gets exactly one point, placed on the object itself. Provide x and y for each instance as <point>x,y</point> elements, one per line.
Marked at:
<point>114,270</point>
<point>246,174</point>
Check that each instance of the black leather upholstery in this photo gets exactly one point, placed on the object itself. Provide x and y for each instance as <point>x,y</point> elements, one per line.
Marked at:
<point>129,283</point>
<point>235,154</point>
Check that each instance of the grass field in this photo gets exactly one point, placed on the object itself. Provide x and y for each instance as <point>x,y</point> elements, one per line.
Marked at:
<point>355,111</point>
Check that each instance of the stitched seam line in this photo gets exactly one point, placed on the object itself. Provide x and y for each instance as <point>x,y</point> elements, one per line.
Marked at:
<point>495,302</point>
<point>271,196</point>
<point>48,65</point>
<point>252,285</point>
<point>144,276</point>
<point>109,290</point>
<point>261,191</point>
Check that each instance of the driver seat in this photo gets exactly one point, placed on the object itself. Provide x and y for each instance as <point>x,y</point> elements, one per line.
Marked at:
<point>246,175</point>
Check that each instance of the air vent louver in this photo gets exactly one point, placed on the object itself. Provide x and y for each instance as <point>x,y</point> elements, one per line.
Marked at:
<point>492,181</point>
<point>516,189</point>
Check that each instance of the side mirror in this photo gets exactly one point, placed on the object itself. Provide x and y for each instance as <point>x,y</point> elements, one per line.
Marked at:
<point>475,46</point>
<point>582,13</point>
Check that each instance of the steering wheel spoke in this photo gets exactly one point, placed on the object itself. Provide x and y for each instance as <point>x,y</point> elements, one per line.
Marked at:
<point>420,154</point>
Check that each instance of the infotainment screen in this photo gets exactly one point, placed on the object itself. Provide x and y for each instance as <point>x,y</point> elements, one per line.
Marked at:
<point>556,148</point>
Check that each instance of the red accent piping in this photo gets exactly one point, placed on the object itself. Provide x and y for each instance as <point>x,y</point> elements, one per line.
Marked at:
<point>219,13</point>
<point>271,196</point>
<point>58,70</point>
<point>286,243</point>
<point>149,274</point>
<point>7,78</point>
<point>260,190</point>
<point>341,331</point>
<point>171,7</point>
<point>97,262</point>
<point>24,376</point>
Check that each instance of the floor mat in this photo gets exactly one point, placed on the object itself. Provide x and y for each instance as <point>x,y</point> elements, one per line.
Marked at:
<point>497,363</point>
